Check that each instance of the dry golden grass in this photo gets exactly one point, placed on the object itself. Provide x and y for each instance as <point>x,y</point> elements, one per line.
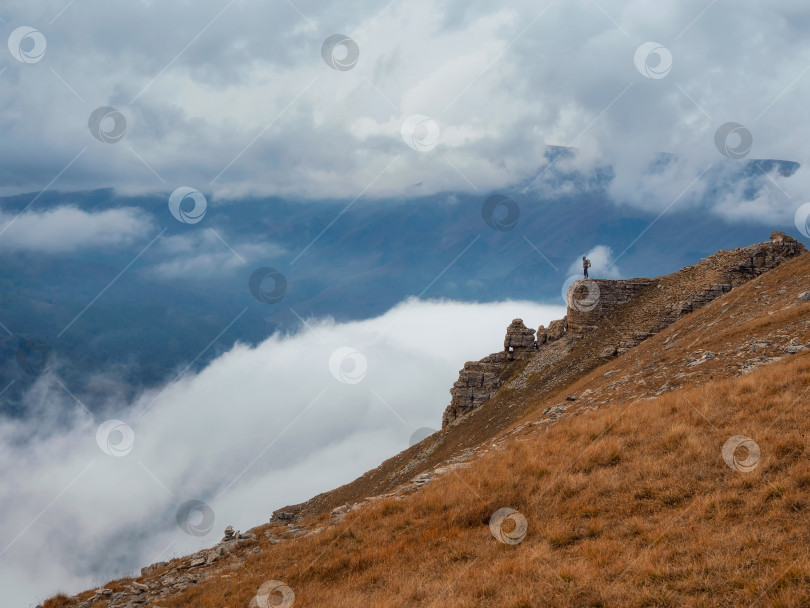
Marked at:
<point>627,506</point>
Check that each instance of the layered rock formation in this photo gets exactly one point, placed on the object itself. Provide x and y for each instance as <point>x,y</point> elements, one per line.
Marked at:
<point>611,317</point>
<point>518,337</point>
<point>478,381</point>
<point>593,303</point>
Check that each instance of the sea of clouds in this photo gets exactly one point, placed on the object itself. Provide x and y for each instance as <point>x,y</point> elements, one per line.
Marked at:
<point>259,428</point>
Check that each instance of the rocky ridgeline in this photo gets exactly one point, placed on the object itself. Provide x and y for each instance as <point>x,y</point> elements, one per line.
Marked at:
<point>478,381</point>
<point>611,317</point>
<point>162,580</point>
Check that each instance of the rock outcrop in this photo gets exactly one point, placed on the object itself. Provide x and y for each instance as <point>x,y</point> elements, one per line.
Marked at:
<point>478,381</point>
<point>518,337</point>
<point>557,329</point>
<point>614,316</point>
<point>595,303</point>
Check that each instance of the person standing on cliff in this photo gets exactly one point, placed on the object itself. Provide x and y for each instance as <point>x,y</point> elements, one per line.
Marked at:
<point>586,263</point>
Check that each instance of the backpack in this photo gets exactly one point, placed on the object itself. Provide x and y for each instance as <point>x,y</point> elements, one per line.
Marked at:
<point>588,262</point>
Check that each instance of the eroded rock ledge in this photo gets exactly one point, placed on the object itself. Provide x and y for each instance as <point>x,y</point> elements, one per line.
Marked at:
<point>620,314</point>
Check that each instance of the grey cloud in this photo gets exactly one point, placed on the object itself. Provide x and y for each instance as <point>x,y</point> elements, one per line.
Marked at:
<point>67,228</point>
<point>499,93</point>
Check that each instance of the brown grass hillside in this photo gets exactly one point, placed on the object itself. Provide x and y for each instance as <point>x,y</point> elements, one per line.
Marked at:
<point>627,506</point>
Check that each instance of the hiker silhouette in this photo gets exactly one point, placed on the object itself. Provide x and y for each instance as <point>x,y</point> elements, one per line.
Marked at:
<point>586,263</point>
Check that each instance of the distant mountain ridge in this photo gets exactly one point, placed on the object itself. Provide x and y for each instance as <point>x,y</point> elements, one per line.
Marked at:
<point>347,263</point>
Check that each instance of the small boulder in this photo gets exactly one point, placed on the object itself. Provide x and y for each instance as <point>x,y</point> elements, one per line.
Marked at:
<point>608,352</point>
<point>230,535</point>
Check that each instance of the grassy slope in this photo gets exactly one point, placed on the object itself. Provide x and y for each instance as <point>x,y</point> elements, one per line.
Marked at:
<point>631,505</point>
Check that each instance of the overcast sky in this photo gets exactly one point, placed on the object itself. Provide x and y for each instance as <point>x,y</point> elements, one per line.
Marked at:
<point>237,97</point>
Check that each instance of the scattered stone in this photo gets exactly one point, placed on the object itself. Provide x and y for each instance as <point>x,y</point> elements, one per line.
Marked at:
<point>608,352</point>
<point>707,356</point>
<point>804,296</point>
<point>752,364</point>
<point>285,514</point>
<point>213,555</point>
<point>152,567</point>
<point>556,411</point>
<point>230,533</point>
<point>759,345</point>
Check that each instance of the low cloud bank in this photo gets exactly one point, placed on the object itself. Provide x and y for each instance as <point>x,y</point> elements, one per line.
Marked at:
<point>257,429</point>
<point>68,228</point>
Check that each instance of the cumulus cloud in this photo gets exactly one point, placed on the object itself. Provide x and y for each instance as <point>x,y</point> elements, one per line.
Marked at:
<point>239,100</point>
<point>68,228</point>
<point>255,430</point>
